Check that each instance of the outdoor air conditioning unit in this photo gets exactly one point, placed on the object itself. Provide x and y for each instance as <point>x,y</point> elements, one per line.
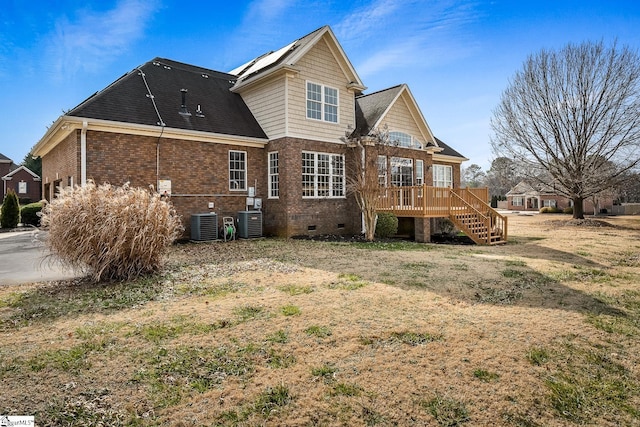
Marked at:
<point>204,226</point>
<point>249,224</point>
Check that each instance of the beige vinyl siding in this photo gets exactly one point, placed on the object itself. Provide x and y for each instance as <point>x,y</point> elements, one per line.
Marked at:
<point>267,103</point>
<point>399,118</point>
<point>319,66</point>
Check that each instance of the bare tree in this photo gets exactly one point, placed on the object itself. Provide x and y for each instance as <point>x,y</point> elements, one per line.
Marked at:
<point>502,176</point>
<point>362,181</point>
<point>571,114</point>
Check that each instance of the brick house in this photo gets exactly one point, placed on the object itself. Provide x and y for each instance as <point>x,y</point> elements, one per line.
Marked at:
<point>25,183</point>
<point>268,131</point>
<point>529,197</point>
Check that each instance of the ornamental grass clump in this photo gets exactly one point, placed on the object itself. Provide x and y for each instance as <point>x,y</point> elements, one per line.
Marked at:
<point>108,232</point>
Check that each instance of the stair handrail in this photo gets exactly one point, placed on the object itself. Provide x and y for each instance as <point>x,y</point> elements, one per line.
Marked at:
<point>483,217</point>
<point>503,219</point>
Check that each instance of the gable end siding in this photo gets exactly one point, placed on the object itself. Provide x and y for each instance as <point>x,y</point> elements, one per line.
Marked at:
<point>319,66</point>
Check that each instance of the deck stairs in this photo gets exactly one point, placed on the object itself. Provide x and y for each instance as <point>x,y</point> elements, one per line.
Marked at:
<point>479,221</point>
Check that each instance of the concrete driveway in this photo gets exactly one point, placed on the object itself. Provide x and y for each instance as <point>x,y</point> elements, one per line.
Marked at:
<point>22,259</point>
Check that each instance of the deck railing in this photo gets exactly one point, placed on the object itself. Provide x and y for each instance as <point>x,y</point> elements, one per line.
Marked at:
<point>427,201</point>
<point>438,202</point>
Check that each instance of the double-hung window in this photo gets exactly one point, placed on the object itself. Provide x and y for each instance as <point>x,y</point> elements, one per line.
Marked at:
<point>22,187</point>
<point>274,175</point>
<point>322,175</point>
<point>550,203</point>
<point>518,201</point>
<point>322,102</point>
<point>237,170</point>
<point>442,176</point>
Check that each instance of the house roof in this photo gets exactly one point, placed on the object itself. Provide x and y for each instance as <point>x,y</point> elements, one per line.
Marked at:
<point>151,95</point>
<point>4,159</point>
<point>371,108</point>
<point>287,56</point>
<point>18,169</point>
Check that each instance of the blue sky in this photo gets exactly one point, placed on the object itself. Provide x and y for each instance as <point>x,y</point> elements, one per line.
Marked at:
<point>456,56</point>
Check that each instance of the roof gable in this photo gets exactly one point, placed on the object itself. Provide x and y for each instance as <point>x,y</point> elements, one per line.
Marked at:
<point>372,109</point>
<point>21,168</point>
<point>287,57</point>
<point>152,95</point>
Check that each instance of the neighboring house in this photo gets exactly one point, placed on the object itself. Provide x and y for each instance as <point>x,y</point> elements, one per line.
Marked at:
<point>25,183</point>
<point>265,135</point>
<point>527,197</point>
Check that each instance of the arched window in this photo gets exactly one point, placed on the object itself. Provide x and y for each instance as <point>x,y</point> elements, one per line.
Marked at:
<point>402,139</point>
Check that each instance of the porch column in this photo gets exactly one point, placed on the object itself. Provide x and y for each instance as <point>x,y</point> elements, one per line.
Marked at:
<point>422,228</point>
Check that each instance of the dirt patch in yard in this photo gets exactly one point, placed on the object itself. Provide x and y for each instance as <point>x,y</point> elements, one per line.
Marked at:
<point>542,331</point>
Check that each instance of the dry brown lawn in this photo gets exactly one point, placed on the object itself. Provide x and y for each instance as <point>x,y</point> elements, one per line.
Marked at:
<point>542,331</point>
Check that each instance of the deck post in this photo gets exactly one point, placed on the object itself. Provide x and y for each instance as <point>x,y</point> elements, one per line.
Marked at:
<point>422,228</point>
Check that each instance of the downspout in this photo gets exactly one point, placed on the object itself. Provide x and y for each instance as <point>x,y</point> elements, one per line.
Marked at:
<point>83,153</point>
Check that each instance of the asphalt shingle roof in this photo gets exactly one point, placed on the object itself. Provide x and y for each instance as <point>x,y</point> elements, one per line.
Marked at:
<point>127,100</point>
<point>370,107</point>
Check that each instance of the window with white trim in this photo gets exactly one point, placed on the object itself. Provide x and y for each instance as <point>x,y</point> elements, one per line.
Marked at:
<point>274,175</point>
<point>322,175</point>
<point>382,170</point>
<point>401,172</point>
<point>517,201</point>
<point>442,176</point>
<point>22,187</point>
<point>402,139</point>
<point>237,170</point>
<point>550,203</point>
<point>322,102</point>
<point>419,172</point>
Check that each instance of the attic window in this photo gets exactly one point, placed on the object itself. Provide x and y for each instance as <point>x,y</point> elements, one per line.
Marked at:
<point>402,139</point>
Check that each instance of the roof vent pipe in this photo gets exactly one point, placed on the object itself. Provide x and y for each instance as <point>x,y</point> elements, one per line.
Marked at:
<point>183,107</point>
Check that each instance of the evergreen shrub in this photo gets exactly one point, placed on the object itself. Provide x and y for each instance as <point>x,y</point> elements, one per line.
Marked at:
<point>29,214</point>
<point>387,225</point>
<point>10,212</point>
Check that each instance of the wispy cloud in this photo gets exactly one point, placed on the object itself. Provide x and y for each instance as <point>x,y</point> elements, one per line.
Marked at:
<point>90,39</point>
<point>405,33</point>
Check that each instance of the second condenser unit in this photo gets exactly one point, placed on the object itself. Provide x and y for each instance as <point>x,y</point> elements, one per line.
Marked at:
<point>249,224</point>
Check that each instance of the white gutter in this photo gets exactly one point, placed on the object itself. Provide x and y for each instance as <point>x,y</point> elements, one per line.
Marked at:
<point>83,153</point>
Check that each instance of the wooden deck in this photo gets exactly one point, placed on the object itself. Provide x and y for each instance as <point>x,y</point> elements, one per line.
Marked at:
<point>467,208</point>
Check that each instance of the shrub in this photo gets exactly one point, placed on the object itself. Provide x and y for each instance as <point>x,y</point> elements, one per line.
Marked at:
<point>115,233</point>
<point>10,212</point>
<point>29,214</point>
<point>550,209</point>
<point>568,210</point>
<point>387,225</point>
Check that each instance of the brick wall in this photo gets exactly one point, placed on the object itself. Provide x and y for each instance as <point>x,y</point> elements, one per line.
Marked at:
<point>290,214</point>
<point>34,188</point>
<point>61,165</point>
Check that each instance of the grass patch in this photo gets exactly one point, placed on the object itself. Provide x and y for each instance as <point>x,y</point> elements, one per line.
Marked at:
<point>326,372</point>
<point>486,376</point>
<point>447,411</point>
<point>588,382</point>
<point>346,389</point>
<point>249,312</point>
<point>414,338</point>
<point>211,290</point>
<point>390,246</point>
<point>294,290</point>
<point>174,373</point>
<point>290,310</point>
<point>73,298</point>
<point>272,400</point>
<point>74,359</point>
<point>318,331</point>
<point>279,336</point>
<point>538,356</point>
<point>348,282</point>
<point>280,360</point>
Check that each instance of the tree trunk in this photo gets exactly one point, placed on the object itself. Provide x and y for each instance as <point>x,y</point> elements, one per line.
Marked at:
<point>578,208</point>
